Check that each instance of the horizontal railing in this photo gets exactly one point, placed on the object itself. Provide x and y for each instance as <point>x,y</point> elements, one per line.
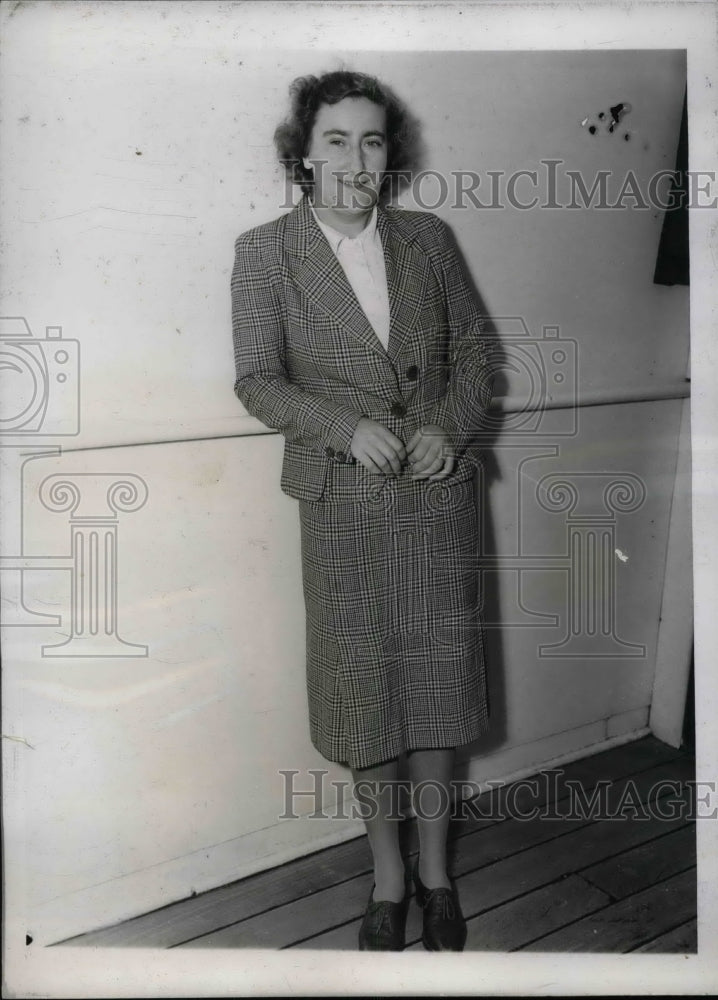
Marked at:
<point>247,426</point>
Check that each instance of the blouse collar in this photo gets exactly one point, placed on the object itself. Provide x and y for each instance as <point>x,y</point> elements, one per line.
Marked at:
<point>335,238</point>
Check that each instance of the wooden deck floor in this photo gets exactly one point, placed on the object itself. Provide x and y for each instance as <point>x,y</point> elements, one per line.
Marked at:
<point>581,883</point>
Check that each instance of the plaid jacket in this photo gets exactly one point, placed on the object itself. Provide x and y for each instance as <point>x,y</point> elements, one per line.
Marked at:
<point>309,364</point>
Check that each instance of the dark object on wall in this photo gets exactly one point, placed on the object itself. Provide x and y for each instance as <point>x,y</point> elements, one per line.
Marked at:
<point>688,739</point>
<point>672,264</point>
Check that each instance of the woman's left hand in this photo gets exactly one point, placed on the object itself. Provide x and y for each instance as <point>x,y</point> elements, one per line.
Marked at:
<point>429,453</point>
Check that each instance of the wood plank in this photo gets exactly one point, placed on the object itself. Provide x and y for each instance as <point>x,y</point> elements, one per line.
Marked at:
<point>508,927</point>
<point>502,840</point>
<point>624,925</point>
<point>612,765</point>
<point>180,921</point>
<point>508,878</point>
<point>239,900</point>
<point>492,884</point>
<point>682,940</point>
<point>342,938</point>
<point>642,866</point>
<point>291,922</point>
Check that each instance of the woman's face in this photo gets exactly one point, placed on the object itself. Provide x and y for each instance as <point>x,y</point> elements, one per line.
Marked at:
<point>348,154</point>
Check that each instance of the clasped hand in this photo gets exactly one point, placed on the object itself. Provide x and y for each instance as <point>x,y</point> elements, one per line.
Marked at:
<point>380,451</point>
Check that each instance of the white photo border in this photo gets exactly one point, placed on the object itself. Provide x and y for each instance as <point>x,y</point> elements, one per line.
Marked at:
<point>471,26</point>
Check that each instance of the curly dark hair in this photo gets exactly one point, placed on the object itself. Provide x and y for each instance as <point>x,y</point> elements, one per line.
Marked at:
<point>308,93</point>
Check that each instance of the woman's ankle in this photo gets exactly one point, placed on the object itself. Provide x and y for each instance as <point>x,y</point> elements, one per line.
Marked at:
<point>389,884</point>
<point>433,873</point>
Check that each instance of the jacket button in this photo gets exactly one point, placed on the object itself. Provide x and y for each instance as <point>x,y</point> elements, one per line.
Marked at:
<point>398,410</point>
<point>340,456</point>
<point>329,452</point>
<point>412,373</point>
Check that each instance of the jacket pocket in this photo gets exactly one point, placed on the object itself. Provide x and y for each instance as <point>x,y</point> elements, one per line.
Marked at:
<point>304,472</point>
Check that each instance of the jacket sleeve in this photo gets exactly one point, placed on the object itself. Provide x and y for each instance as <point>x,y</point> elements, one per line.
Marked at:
<point>261,382</point>
<point>464,406</point>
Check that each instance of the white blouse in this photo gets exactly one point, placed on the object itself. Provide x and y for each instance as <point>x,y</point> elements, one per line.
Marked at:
<point>362,258</point>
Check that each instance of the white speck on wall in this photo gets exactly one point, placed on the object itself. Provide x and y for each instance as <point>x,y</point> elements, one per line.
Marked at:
<point>621,555</point>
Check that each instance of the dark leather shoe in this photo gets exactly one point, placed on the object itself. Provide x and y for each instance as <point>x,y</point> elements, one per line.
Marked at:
<point>444,925</point>
<point>384,925</point>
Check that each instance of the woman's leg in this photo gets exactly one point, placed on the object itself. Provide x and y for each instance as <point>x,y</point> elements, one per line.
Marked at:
<point>431,772</point>
<point>377,792</point>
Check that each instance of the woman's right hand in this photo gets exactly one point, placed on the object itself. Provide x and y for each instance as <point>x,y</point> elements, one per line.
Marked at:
<point>377,448</point>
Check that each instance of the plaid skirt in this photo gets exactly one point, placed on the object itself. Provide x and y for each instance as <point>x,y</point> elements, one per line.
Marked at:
<point>395,640</point>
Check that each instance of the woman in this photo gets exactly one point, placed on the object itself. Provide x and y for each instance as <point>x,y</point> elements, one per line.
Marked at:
<point>356,335</point>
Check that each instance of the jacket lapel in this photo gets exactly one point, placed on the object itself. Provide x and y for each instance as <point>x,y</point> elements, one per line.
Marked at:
<point>407,271</point>
<point>321,277</point>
